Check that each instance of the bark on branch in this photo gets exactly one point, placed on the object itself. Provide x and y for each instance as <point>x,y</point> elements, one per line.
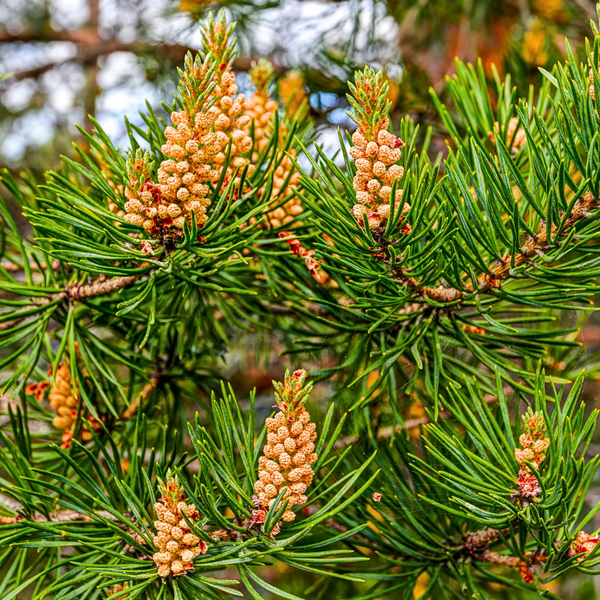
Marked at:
<point>61,516</point>
<point>101,287</point>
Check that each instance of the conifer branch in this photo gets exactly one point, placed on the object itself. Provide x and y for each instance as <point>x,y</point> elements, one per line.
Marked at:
<point>403,308</point>
<point>444,294</point>
<point>477,545</point>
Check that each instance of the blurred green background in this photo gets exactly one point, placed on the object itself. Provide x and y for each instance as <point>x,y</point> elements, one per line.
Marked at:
<point>71,58</point>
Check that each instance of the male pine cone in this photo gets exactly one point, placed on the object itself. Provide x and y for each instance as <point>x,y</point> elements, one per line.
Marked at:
<point>177,545</point>
<point>290,450</point>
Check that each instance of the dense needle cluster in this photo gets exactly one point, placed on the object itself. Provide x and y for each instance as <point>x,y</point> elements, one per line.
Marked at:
<point>534,443</point>
<point>110,176</point>
<point>375,150</point>
<point>290,449</point>
<point>177,545</point>
<point>205,144</point>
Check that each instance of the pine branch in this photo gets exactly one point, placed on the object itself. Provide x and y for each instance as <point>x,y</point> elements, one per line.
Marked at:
<point>477,545</point>
<point>170,239</point>
<point>101,287</point>
<point>534,246</point>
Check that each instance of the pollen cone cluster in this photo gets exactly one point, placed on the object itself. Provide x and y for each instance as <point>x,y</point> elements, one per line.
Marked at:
<point>177,545</point>
<point>549,9</point>
<point>211,125</point>
<point>63,400</point>
<point>260,107</point>
<point>533,445</point>
<point>285,180</point>
<point>143,195</point>
<point>534,43</point>
<point>291,92</point>
<point>290,450</point>
<point>375,151</point>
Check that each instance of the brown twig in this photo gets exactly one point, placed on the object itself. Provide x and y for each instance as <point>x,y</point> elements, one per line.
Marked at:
<point>481,539</point>
<point>76,292</point>
<point>141,398</point>
<point>12,323</point>
<point>477,545</point>
<point>91,47</point>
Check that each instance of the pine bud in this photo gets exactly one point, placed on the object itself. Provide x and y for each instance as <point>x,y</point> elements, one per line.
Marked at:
<point>183,194</point>
<point>372,149</point>
<point>379,169</point>
<point>363,164</point>
<point>134,219</point>
<point>534,443</point>
<point>358,139</point>
<point>177,545</point>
